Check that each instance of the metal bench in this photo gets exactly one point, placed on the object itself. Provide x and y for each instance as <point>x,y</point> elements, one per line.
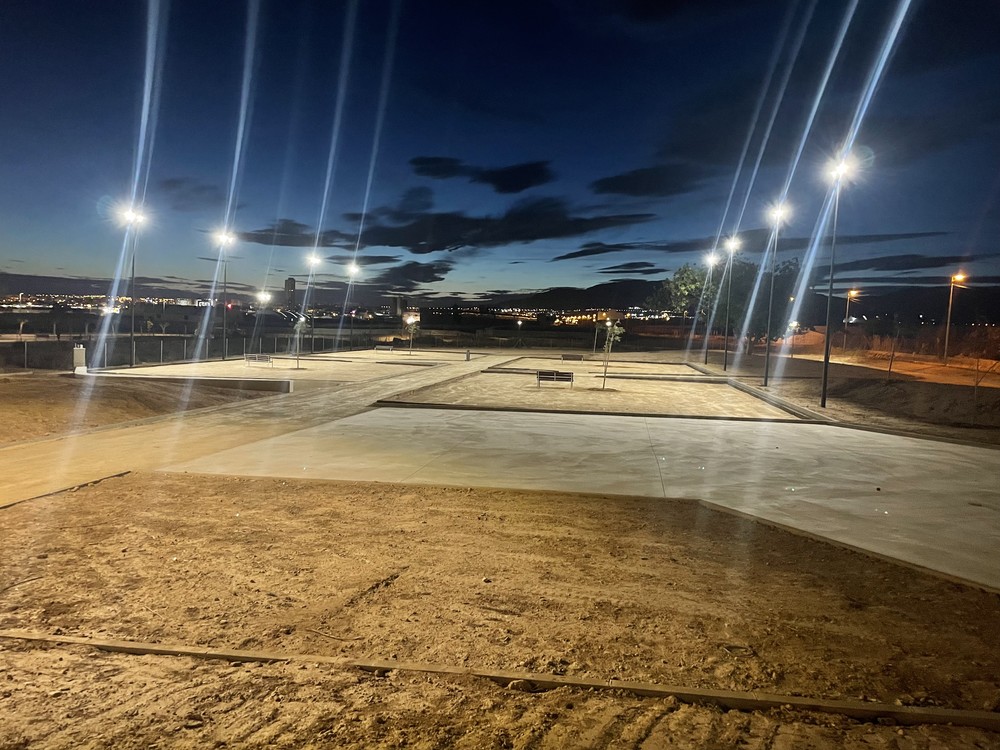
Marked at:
<point>572,358</point>
<point>553,376</point>
<point>383,347</point>
<point>258,359</point>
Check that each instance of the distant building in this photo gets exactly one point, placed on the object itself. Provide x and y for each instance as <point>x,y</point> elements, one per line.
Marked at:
<point>290,292</point>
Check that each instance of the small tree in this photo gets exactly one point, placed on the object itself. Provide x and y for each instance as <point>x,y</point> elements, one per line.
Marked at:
<point>614,333</point>
<point>412,326</point>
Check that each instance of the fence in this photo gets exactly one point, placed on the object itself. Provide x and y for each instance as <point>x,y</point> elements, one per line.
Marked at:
<point>114,351</point>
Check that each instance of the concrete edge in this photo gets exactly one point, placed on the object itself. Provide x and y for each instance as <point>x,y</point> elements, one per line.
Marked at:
<point>949,577</point>
<point>780,403</point>
<point>390,403</point>
<point>68,488</point>
<point>242,384</point>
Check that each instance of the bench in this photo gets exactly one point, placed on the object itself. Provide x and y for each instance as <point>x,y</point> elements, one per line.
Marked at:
<point>554,376</point>
<point>383,347</point>
<point>572,358</point>
<point>258,359</point>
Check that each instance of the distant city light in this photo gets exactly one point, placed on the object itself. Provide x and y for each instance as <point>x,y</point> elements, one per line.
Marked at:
<point>733,244</point>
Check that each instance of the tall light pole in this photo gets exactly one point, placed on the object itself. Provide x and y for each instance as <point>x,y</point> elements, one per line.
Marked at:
<point>851,294</point>
<point>353,269</point>
<point>711,259</point>
<point>224,240</point>
<point>778,214</point>
<point>131,219</point>
<point>263,297</point>
<point>958,278</point>
<point>313,261</point>
<point>732,245</point>
<point>838,173</point>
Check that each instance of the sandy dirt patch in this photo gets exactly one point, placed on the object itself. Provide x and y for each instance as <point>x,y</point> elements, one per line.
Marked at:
<point>507,390</point>
<point>589,586</point>
<point>44,404</point>
<point>935,409</point>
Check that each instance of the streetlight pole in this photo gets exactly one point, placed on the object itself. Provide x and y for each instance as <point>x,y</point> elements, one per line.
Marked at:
<point>778,213</point>
<point>131,219</point>
<point>313,261</point>
<point>732,245</point>
<point>851,294</point>
<point>957,278</point>
<point>711,260</point>
<point>596,329</point>
<point>838,172</point>
<point>224,238</point>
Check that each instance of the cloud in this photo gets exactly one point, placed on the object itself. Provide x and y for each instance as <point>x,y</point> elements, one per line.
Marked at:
<point>291,233</point>
<point>526,221</point>
<point>909,262</point>
<point>754,240</point>
<point>363,260</point>
<point>190,194</point>
<point>513,179</point>
<point>409,276</point>
<point>660,181</point>
<point>639,267</point>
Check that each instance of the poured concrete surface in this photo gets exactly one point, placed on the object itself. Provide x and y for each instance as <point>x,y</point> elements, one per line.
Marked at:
<point>931,504</point>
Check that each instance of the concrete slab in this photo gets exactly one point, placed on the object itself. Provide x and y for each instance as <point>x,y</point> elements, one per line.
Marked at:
<point>934,505</point>
<point>514,390</point>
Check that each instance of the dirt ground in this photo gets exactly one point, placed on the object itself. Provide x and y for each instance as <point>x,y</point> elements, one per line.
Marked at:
<point>936,409</point>
<point>590,586</point>
<point>43,404</point>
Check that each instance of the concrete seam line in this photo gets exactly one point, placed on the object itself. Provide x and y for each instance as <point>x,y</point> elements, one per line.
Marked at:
<point>730,699</point>
<point>65,489</point>
<point>939,574</point>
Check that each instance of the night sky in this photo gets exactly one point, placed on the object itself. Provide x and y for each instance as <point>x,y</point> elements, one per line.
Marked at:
<point>491,149</point>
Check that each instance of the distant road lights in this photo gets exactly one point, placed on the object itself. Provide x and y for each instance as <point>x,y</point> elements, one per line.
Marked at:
<point>779,213</point>
<point>838,172</point>
<point>732,244</point>
<point>956,280</point>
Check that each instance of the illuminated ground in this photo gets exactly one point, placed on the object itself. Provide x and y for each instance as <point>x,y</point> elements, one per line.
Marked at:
<point>462,537</point>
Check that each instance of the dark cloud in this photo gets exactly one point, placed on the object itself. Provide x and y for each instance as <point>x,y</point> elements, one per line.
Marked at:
<point>291,233</point>
<point>753,240</point>
<point>363,260</point>
<point>526,221</point>
<point>909,262</point>
<point>513,179</point>
<point>409,276</point>
<point>190,194</point>
<point>516,178</point>
<point>661,181</point>
<point>637,267</point>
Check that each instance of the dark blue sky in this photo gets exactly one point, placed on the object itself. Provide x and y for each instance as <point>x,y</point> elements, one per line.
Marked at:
<point>523,145</point>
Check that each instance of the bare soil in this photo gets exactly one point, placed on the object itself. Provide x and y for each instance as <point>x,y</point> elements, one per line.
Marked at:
<point>587,585</point>
<point>35,405</point>
<point>926,408</point>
